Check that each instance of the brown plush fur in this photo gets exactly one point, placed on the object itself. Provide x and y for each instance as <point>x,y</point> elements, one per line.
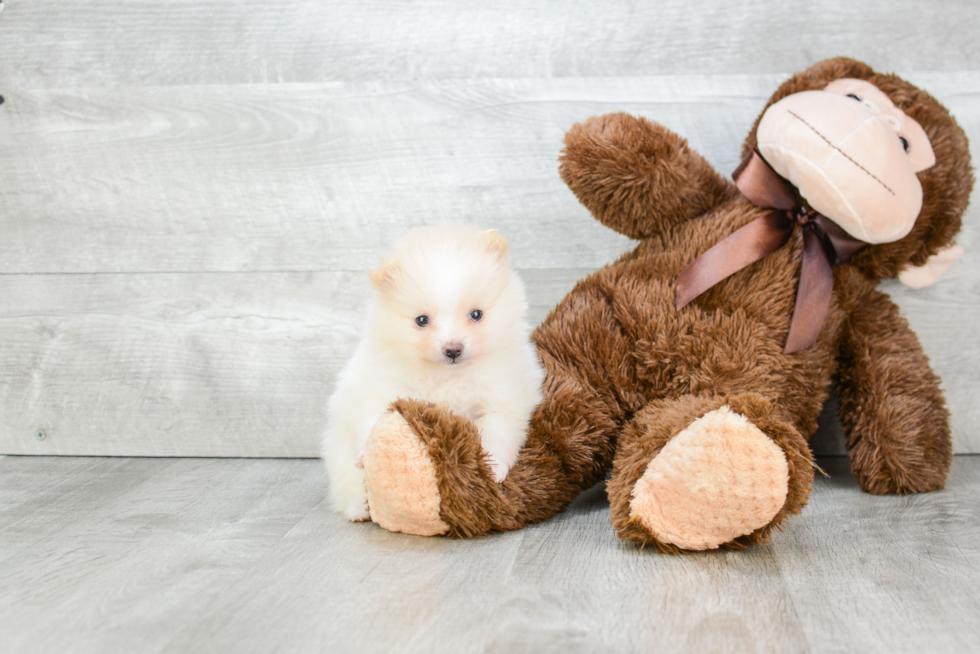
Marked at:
<point>626,371</point>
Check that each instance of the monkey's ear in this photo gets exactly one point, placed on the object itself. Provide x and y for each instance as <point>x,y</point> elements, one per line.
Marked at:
<point>384,275</point>
<point>931,270</point>
<point>495,242</point>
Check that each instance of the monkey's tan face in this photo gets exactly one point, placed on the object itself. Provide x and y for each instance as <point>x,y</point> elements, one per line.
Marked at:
<point>852,154</point>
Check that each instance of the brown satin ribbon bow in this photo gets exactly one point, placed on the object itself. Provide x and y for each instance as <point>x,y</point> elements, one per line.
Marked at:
<point>825,245</point>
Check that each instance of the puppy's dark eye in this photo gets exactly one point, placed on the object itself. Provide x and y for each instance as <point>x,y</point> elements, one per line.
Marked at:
<point>422,321</point>
<point>905,143</point>
<point>851,95</point>
<point>475,315</point>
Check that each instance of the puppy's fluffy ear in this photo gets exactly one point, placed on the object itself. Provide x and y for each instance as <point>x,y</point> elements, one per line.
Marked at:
<point>494,242</point>
<point>384,275</point>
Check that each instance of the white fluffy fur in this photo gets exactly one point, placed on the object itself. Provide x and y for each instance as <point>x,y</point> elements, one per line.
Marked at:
<point>444,273</point>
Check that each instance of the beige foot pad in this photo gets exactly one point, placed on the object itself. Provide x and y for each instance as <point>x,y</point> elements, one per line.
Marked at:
<point>403,494</point>
<point>718,479</point>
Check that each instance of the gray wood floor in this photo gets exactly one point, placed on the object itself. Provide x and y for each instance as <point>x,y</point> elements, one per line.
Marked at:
<point>242,555</point>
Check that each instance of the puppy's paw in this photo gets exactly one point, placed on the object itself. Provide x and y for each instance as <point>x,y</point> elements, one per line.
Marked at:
<point>500,445</point>
<point>499,467</point>
<point>357,510</point>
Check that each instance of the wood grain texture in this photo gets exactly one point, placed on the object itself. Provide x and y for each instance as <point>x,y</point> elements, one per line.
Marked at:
<point>318,177</point>
<point>95,43</point>
<point>322,177</point>
<point>914,537</point>
<point>241,364</point>
<point>238,363</point>
<point>215,555</point>
<point>38,493</point>
<point>159,542</point>
<point>172,364</point>
<point>183,364</point>
<point>191,191</point>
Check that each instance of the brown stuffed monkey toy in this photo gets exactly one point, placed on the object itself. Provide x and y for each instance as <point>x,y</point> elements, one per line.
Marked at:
<point>695,366</point>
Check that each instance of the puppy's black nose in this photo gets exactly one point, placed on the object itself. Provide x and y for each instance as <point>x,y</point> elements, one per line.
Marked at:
<point>453,351</point>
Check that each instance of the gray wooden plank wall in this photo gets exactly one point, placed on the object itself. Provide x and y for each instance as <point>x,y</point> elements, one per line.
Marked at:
<point>191,191</point>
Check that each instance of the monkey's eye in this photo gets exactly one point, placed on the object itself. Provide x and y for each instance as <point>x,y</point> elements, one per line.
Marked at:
<point>475,315</point>
<point>905,143</point>
<point>422,321</point>
<point>851,95</point>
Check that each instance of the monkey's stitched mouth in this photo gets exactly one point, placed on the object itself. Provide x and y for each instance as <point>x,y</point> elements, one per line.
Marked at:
<point>847,156</point>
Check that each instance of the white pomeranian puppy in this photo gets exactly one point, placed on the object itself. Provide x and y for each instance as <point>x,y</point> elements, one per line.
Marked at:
<point>446,325</point>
